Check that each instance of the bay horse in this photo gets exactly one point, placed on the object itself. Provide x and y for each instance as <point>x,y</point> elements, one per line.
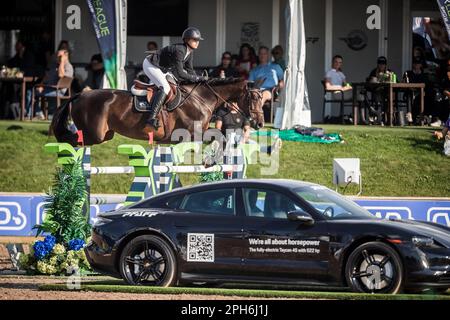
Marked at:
<point>100,113</point>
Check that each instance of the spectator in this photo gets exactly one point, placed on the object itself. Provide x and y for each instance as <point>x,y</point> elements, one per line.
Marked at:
<point>232,123</point>
<point>445,134</point>
<point>246,60</point>
<point>25,62</point>
<point>62,68</point>
<point>380,74</point>
<point>64,45</point>
<point>23,59</point>
<point>225,70</point>
<point>152,46</point>
<point>96,72</point>
<point>270,73</point>
<point>415,75</point>
<point>335,79</point>
<point>277,54</point>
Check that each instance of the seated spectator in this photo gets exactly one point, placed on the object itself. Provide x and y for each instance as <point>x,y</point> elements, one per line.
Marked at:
<point>381,73</point>
<point>225,70</point>
<point>277,54</point>
<point>445,134</point>
<point>415,75</point>
<point>246,60</point>
<point>25,62</point>
<point>63,68</point>
<point>96,72</point>
<point>23,59</point>
<point>271,73</point>
<point>335,79</point>
<point>379,96</point>
<point>152,46</point>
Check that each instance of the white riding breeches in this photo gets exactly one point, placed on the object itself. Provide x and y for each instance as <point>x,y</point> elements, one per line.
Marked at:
<point>156,75</point>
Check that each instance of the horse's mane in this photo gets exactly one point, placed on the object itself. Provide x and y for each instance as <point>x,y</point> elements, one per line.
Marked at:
<point>224,81</point>
<point>217,81</point>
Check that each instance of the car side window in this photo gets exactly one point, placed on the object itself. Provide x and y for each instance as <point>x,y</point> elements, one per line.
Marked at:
<point>171,203</point>
<point>220,202</point>
<point>268,203</point>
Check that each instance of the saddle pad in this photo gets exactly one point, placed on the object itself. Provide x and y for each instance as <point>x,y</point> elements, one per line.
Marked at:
<point>141,104</point>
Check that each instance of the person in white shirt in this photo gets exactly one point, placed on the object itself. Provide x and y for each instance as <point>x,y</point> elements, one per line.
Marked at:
<point>335,80</point>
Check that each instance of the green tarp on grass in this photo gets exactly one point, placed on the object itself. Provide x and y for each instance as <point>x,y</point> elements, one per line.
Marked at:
<point>292,135</point>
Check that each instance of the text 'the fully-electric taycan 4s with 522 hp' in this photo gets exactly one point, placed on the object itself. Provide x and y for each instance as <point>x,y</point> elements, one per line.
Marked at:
<point>268,232</point>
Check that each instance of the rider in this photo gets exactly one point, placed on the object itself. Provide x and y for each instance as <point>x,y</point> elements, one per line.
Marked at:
<point>176,59</point>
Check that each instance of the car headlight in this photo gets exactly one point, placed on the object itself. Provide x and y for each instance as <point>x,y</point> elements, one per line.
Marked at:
<point>427,242</point>
<point>100,221</point>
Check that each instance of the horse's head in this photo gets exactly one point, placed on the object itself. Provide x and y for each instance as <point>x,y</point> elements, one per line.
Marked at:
<point>253,105</point>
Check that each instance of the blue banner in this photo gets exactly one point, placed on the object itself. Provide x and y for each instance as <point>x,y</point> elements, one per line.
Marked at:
<point>444,8</point>
<point>18,214</point>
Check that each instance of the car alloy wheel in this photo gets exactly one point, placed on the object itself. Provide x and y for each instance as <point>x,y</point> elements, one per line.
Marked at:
<point>374,267</point>
<point>148,260</point>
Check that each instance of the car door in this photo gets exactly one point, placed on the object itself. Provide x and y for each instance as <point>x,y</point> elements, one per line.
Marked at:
<point>210,233</point>
<point>280,248</point>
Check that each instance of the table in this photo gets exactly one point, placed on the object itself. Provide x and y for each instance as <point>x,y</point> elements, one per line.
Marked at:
<point>23,82</point>
<point>390,88</point>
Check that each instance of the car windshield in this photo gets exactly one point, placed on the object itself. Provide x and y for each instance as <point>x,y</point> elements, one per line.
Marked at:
<point>331,204</point>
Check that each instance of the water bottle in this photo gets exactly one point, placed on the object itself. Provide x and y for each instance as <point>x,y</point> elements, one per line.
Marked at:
<point>406,77</point>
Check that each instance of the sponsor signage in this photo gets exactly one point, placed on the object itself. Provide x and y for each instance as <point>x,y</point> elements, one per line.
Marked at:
<point>20,213</point>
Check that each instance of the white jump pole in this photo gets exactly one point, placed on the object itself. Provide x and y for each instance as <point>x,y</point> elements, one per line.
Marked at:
<point>112,170</point>
<point>198,169</point>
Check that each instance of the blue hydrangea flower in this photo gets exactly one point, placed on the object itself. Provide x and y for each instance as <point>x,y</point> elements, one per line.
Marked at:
<point>76,244</point>
<point>40,250</point>
<point>49,242</point>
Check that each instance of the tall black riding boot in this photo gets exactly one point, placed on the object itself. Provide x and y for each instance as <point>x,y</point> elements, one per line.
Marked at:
<point>156,106</point>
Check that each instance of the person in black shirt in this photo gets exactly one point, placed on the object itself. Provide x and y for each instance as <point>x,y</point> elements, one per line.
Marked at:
<point>96,71</point>
<point>176,59</point>
<point>225,70</point>
<point>415,75</point>
<point>233,124</point>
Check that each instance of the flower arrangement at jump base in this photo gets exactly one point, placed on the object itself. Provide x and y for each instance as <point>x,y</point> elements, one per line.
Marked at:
<point>67,226</point>
<point>51,258</point>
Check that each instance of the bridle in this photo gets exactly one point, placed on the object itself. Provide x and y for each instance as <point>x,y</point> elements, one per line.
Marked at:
<point>247,94</point>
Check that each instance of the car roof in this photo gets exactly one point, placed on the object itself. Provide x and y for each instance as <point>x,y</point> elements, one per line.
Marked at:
<point>233,183</point>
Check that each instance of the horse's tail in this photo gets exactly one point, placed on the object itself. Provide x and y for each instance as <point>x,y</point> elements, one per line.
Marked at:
<point>59,125</point>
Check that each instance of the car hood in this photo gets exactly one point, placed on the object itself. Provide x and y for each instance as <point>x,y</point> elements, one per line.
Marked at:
<point>411,228</point>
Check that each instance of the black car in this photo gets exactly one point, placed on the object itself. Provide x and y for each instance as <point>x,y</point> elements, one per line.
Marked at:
<point>268,232</point>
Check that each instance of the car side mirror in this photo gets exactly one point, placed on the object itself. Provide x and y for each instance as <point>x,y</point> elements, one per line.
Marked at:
<point>301,216</point>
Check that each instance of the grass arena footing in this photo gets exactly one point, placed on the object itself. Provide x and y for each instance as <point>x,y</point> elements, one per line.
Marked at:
<point>252,293</point>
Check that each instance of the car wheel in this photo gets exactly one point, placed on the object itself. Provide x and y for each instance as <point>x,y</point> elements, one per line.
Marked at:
<point>374,267</point>
<point>148,260</point>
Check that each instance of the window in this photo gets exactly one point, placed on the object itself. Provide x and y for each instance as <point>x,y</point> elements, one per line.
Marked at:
<point>213,202</point>
<point>268,204</point>
<point>332,205</point>
<point>166,202</point>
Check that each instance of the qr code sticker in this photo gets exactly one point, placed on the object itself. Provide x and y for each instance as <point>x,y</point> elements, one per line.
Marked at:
<point>200,247</point>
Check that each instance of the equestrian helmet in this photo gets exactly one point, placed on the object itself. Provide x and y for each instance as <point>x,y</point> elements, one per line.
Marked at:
<point>192,33</point>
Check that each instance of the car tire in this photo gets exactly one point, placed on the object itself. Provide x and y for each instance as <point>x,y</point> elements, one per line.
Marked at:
<point>148,260</point>
<point>374,267</point>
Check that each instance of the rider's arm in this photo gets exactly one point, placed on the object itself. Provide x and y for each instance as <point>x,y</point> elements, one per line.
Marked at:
<point>189,64</point>
<point>179,66</point>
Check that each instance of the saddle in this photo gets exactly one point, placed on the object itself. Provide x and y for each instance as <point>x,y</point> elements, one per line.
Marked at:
<point>143,93</point>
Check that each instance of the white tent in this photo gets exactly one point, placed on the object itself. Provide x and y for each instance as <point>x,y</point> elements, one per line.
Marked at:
<point>295,107</point>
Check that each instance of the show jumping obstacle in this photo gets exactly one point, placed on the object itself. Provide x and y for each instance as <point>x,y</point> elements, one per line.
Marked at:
<point>156,170</point>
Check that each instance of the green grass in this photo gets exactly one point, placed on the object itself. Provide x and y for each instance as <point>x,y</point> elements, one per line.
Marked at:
<point>254,293</point>
<point>394,161</point>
